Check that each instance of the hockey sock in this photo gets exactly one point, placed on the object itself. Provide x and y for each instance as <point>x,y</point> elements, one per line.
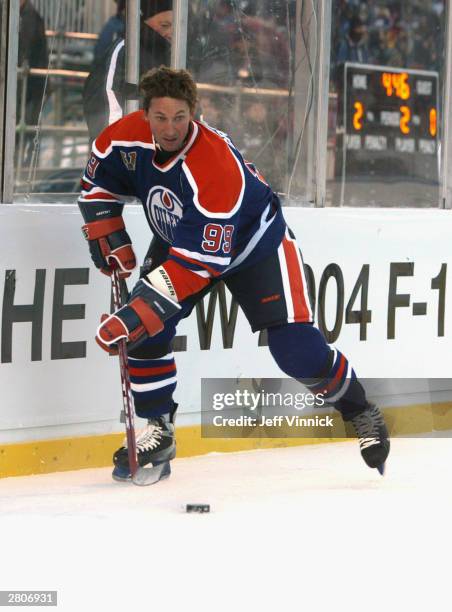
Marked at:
<point>153,382</point>
<point>301,351</point>
<point>153,375</point>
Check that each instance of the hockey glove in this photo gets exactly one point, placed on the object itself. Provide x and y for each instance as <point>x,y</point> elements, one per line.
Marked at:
<point>110,245</point>
<point>143,316</point>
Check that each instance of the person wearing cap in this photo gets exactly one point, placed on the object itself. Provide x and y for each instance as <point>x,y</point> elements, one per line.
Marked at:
<point>106,89</point>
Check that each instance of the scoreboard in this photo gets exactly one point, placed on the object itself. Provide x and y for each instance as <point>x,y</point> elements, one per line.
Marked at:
<point>390,135</point>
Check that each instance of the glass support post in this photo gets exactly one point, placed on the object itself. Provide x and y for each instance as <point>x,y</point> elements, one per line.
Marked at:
<point>323,80</point>
<point>179,41</point>
<point>132,50</point>
<point>446,156</point>
<point>9,47</point>
<point>301,157</point>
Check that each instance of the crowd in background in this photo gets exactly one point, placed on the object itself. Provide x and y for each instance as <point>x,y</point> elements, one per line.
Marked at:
<point>408,34</point>
<point>251,43</point>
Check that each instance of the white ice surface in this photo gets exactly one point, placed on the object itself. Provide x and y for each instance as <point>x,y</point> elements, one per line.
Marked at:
<point>307,528</point>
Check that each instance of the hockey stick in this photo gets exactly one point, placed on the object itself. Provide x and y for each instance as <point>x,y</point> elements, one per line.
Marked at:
<point>140,475</point>
<point>127,400</point>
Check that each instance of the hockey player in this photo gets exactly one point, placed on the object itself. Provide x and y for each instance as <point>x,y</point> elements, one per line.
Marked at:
<point>214,218</point>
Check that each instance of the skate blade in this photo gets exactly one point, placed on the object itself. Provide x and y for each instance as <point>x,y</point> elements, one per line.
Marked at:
<point>121,475</point>
<point>381,468</point>
<point>145,476</point>
<point>120,478</point>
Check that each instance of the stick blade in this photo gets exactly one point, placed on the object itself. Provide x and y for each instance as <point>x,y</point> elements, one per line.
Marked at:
<point>145,476</point>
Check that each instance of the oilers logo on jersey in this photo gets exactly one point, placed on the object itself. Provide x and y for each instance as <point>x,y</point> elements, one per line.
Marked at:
<point>164,210</point>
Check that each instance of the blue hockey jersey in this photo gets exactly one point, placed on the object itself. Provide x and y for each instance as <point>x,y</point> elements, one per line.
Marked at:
<point>213,207</point>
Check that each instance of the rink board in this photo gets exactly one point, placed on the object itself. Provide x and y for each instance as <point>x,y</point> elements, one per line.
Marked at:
<point>56,383</point>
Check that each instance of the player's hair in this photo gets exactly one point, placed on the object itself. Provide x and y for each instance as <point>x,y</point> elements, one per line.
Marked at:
<point>166,82</point>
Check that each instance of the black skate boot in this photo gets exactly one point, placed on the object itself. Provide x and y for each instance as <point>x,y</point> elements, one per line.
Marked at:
<point>155,445</point>
<point>373,437</point>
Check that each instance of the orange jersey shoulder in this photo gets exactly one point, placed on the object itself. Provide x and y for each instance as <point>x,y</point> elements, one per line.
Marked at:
<point>127,131</point>
<point>215,174</point>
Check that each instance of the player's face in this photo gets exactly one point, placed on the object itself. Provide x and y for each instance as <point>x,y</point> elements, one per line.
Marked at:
<point>170,121</point>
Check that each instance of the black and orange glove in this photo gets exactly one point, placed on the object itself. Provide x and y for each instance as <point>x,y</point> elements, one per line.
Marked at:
<point>110,246</point>
<point>109,243</point>
<point>143,316</point>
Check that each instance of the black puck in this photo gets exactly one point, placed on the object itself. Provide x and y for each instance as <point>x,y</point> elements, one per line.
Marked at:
<point>199,508</point>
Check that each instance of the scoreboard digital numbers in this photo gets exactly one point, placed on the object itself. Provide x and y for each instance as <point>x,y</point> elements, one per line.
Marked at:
<point>390,136</point>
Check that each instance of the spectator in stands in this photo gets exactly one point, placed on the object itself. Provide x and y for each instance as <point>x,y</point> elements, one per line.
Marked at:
<point>106,91</point>
<point>397,47</point>
<point>112,30</point>
<point>353,47</point>
<point>32,52</point>
<point>428,41</point>
<point>401,34</point>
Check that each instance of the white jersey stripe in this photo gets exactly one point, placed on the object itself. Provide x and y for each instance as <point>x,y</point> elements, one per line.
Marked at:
<point>155,385</point>
<point>286,283</point>
<point>264,225</point>
<point>334,355</point>
<point>303,276</point>
<point>221,261</point>
<point>101,191</point>
<point>93,200</point>
<point>121,143</point>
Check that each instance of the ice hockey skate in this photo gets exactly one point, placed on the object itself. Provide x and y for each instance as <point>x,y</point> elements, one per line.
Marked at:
<point>156,446</point>
<point>373,437</point>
